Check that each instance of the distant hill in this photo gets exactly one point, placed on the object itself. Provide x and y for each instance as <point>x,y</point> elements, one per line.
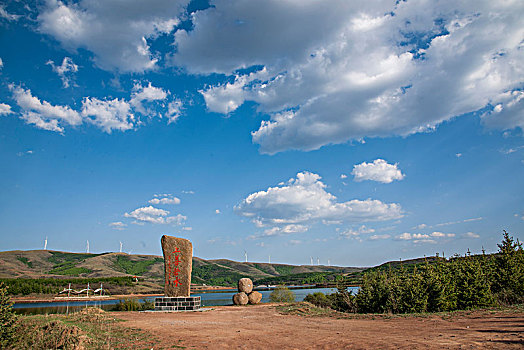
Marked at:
<point>407,264</point>
<point>49,263</point>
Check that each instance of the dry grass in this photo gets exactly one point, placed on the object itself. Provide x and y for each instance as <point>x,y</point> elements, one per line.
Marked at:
<point>309,310</point>
<point>90,328</point>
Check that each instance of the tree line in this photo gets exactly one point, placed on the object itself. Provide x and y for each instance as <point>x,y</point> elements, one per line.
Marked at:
<point>458,283</point>
<point>26,286</point>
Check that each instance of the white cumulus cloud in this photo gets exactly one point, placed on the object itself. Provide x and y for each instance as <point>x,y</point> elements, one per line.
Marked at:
<point>108,115</point>
<point>423,237</point>
<point>155,216</point>
<point>352,233</point>
<point>379,171</point>
<point>116,32</point>
<point>165,200</point>
<point>5,109</point>
<point>42,114</point>
<point>303,200</point>
<point>174,110</point>
<point>287,229</point>
<point>440,234</point>
<point>146,94</point>
<point>118,225</point>
<point>65,71</point>
<point>364,69</point>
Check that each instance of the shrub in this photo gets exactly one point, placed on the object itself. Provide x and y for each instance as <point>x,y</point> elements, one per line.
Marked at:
<point>148,305</point>
<point>134,305</point>
<point>7,318</point>
<point>319,299</point>
<point>282,295</point>
<point>128,305</point>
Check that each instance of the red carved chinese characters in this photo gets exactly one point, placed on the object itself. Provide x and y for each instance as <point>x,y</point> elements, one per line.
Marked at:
<point>173,260</point>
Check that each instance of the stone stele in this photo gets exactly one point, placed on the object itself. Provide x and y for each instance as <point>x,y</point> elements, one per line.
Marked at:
<point>178,259</point>
<point>245,285</point>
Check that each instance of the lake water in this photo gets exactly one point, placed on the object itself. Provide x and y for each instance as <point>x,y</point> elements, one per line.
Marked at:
<point>209,298</point>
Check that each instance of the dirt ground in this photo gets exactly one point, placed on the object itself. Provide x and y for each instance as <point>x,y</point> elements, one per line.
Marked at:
<point>264,327</point>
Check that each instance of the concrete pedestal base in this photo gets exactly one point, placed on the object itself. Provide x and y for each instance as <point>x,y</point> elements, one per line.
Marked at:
<point>177,303</point>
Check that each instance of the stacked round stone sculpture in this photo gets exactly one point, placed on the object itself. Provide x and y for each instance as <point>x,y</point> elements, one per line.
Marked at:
<point>246,294</point>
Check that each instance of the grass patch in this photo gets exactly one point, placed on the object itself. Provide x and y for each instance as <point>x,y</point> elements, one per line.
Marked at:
<point>59,258</point>
<point>283,269</point>
<point>90,328</point>
<point>133,267</point>
<point>306,309</point>
<point>215,275</point>
<point>69,271</point>
<point>309,310</point>
<point>65,263</point>
<point>263,268</point>
<point>26,261</point>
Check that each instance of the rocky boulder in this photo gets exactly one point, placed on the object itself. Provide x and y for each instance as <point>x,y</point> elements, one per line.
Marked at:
<point>240,299</point>
<point>254,297</point>
<point>245,285</point>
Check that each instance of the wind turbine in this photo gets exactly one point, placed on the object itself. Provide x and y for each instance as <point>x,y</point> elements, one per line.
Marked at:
<point>311,260</point>
<point>245,255</point>
<point>269,260</point>
<point>45,243</point>
<point>87,248</point>
<point>329,262</point>
<point>318,261</point>
<point>120,247</point>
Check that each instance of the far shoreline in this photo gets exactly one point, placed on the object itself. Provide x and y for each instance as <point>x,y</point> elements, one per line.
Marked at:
<point>56,299</point>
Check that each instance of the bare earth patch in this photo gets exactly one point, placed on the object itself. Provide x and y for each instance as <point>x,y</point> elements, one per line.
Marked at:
<point>270,327</point>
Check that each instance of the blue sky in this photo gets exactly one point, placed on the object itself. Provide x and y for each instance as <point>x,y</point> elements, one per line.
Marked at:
<point>348,133</point>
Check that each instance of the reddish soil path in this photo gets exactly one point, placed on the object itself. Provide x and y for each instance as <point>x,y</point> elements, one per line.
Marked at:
<point>263,327</point>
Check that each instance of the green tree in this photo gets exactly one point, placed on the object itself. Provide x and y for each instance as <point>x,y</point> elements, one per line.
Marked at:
<point>440,287</point>
<point>508,281</point>
<point>472,285</point>
<point>282,294</point>
<point>374,293</point>
<point>414,297</point>
<point>7,318</point>
<point>319,299</point>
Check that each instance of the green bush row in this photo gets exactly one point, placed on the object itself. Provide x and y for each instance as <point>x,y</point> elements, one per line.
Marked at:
<point>299,278</point>
<point>456,284</point>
